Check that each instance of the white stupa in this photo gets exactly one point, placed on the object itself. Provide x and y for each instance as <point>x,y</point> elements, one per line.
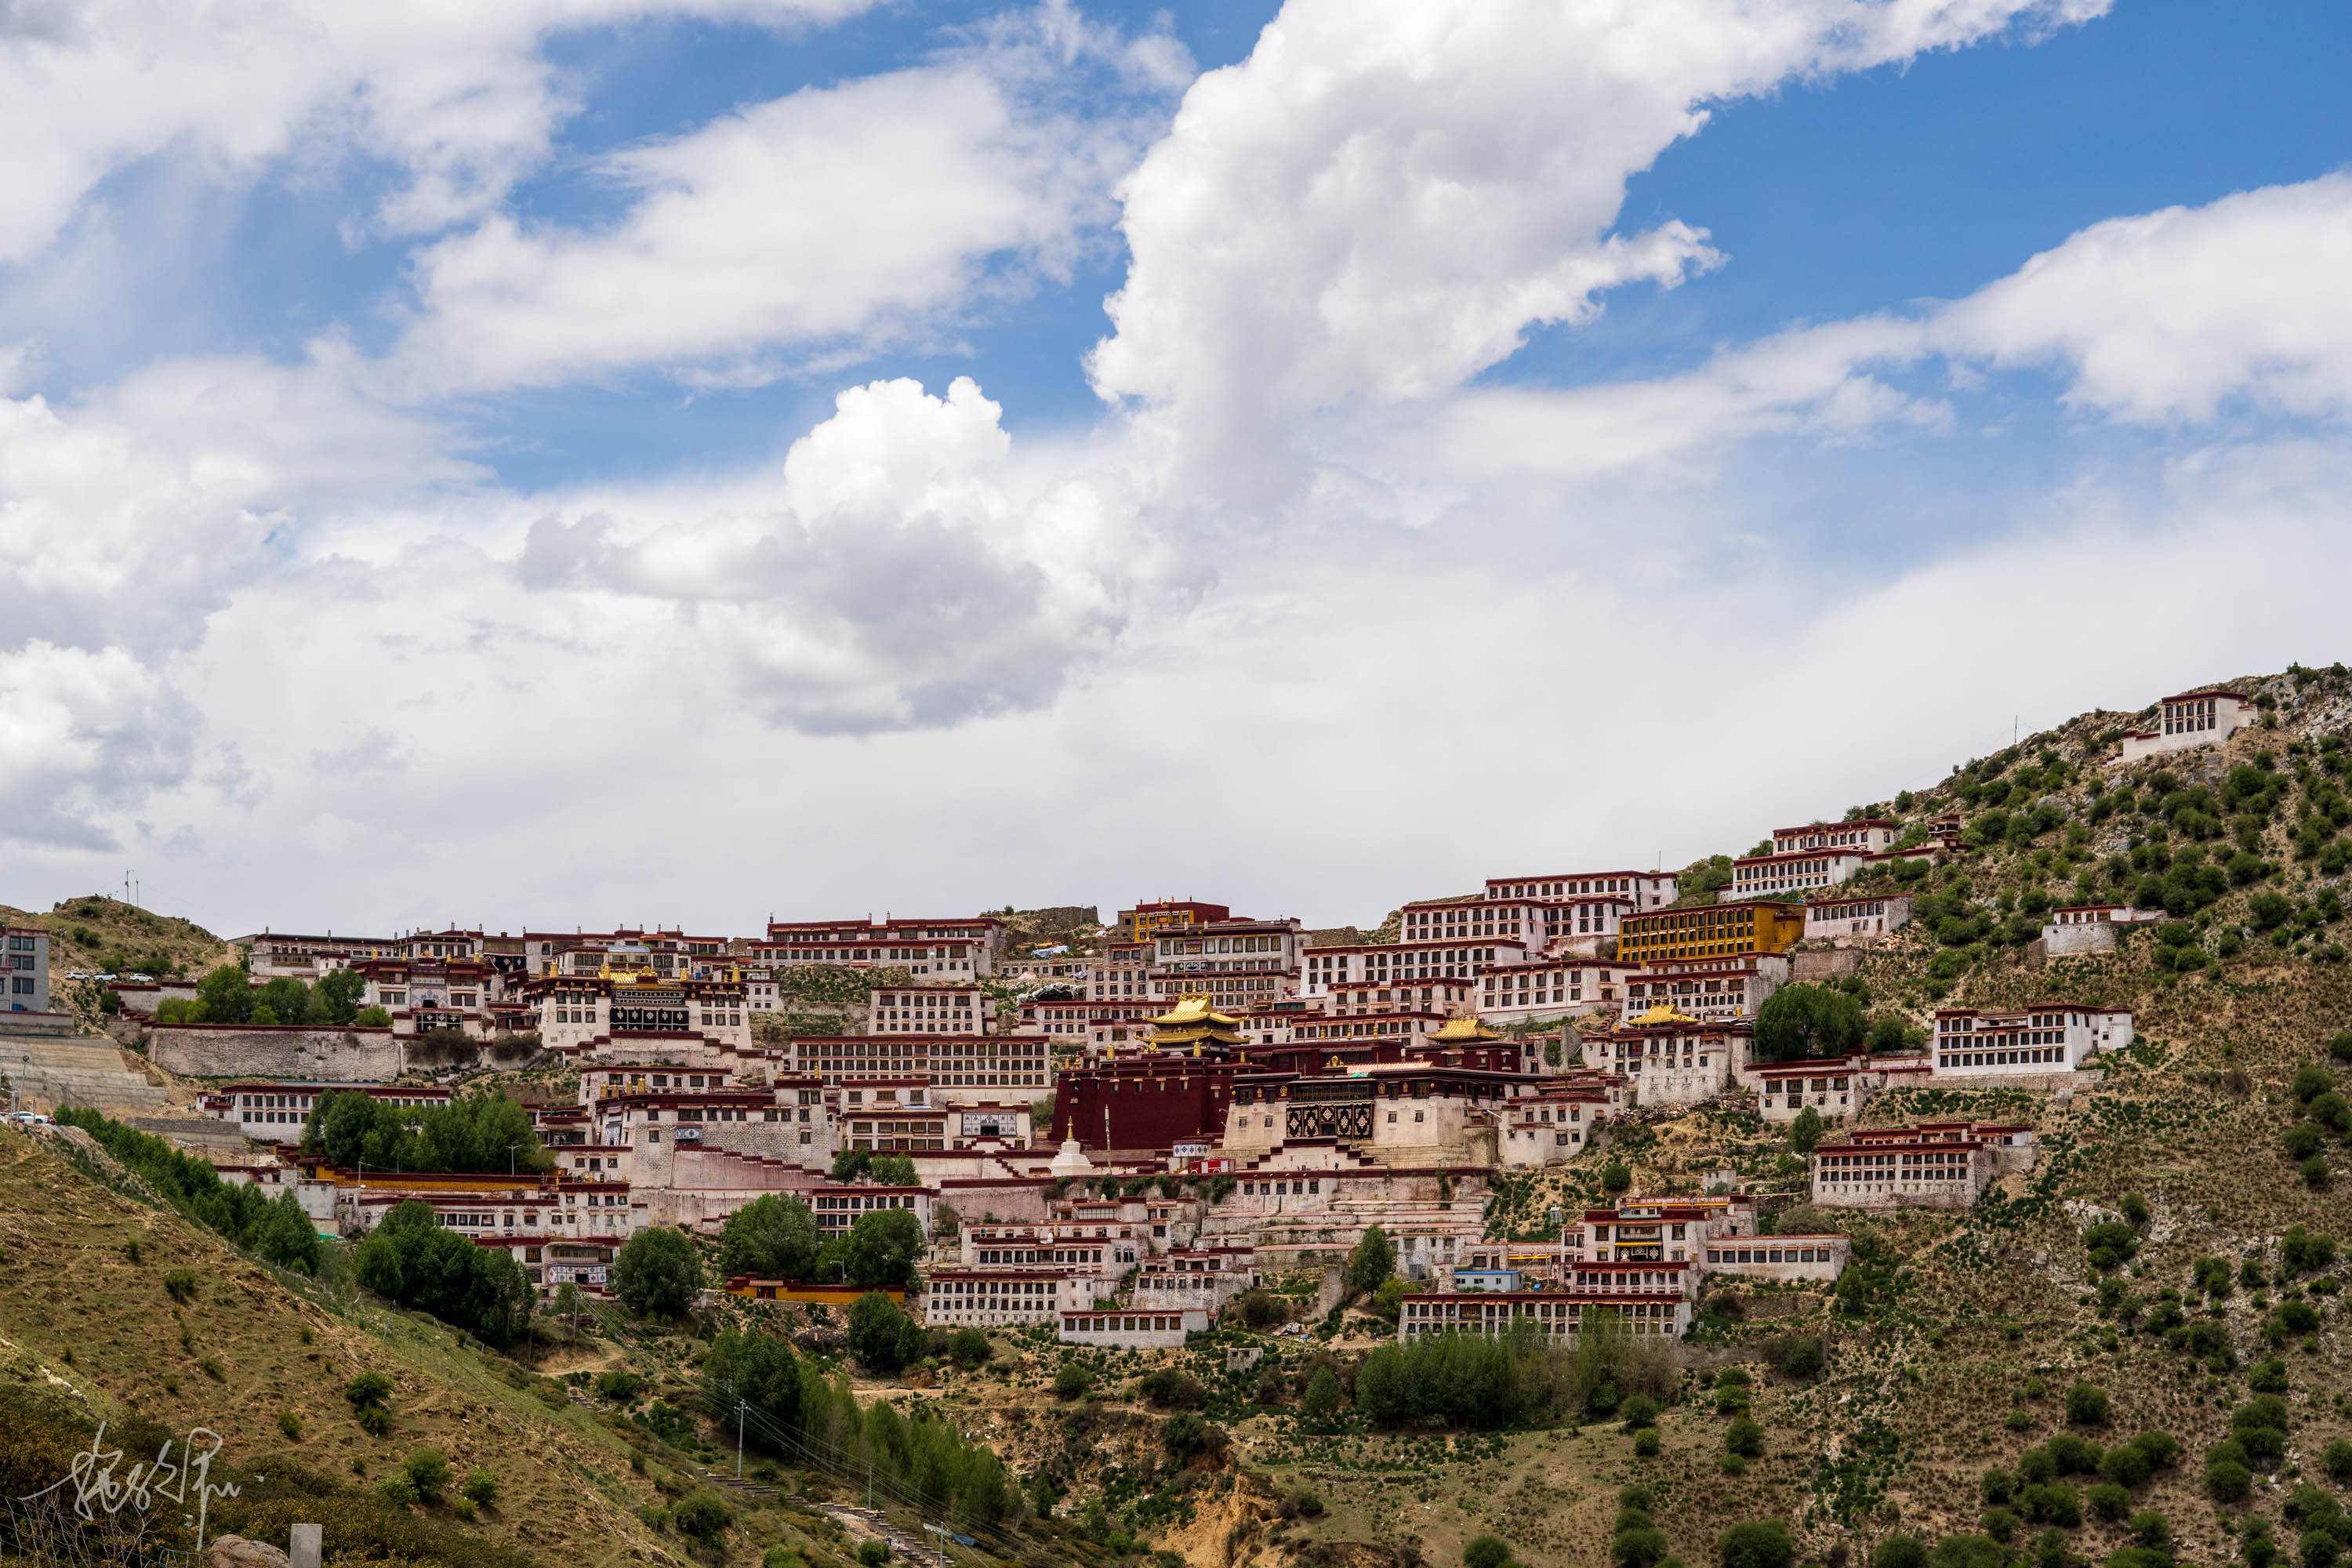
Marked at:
<point>1072,1160</point>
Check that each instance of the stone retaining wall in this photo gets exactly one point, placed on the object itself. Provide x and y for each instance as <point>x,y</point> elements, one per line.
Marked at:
<point>276,1050</point>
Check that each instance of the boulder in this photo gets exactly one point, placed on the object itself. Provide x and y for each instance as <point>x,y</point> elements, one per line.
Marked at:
<point>237,1552</point>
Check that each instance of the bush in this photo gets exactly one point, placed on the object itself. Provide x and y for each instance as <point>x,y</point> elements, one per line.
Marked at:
<point>1185,1433</point>
<point>1306,1504</point>
<point>1969,1552</point>
<point>1071,1381</point>
<point>481,1488</point>
<point>429,1471</point>
<point>2314,1171</point>
<point>2108,1501</point>
<point>397,1489</point>
<point>1998,1523</point>
<point>2228,1482</point>
<point>1486,1552</point>
<point>702,1515</point>
<point>2302,1141</point>
<point>1321,1402</point>
<point>657,1273</point>
<point>1799,1356</point>
<point>1638,1545</point>
<point>290,1424</point>
<point>1639,1412</point>
<point>1744,1438</point>
<point>1759,1544</point>
<point>620,1385</point>
<point>873,1554</point>
<point>2086,1405</point>
<point>1615,1178</point>
<point>2267,1376</point>
<point>1900,1551</point>
<point>1647,1443</point>
<point>2151,1529</point>
<point>2337,1461</point>
<point>969,1347</point>
<point>2110,1244</point>
<point>179,1284</point>
<point>2124,1464</point>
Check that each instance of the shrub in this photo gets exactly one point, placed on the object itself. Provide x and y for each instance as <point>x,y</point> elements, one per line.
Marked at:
<point>1900,1551</point>
<point>1185,1433</point>
<point>2228,1482</point>
<point>429,1471</point>
<point>2302,1141</point>
<point>1647,1442</point>
<point>1997,1485</point>
<point>873,1554</point>
<point>1759,1544</point>
<point>290,1424</point>
<point>2124,1464</point>
<point>1798,1356</point>
<point>1638,1546</point>
<point>2110,1244</point>
<point>2303,1251</point>
<point>1172,1390</point>
<point>1071,1381</point>
<point>1732,1377</point>
<point>1486,1552</point>
<point>481,1488</point>
<point>2151,1529</point>
<point>368,1390</point>
<point>1998,1523</point>
<point>2108,1501</point>
<point>619,1386</point>
<point>2267,1376</point>
<point>2135,1209</point>
<point>969,1347</point>
<point>1639,1412</point>
<point>2314,1171</point>
<point>1744,1438</point>
<point>1307,1504</point>
<point>181,1285</point>
<point>2086,1405</point>
<point>2337,1461</point>
<point>397,1489</point>
<point>702,1515</point>
<point>1321,1402</point>
<point>1615,1178</point>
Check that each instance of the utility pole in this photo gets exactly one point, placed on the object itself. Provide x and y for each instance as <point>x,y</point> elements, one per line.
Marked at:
<point>739,1439</point>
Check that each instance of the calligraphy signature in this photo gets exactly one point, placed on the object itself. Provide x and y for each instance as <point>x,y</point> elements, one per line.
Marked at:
<point>94,1482</point>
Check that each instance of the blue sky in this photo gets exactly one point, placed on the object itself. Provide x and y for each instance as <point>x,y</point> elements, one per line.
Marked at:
<point>502,361</point>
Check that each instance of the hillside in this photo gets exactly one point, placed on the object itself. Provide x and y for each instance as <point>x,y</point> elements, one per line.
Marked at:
<point>102,934</point>
<point>90,1329</point>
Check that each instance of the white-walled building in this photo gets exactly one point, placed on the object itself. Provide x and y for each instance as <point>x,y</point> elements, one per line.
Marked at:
<point>1844,920</point>
<point>1870,835</point>
<point>1133,1328</point>
<point>1404,964</point>
<point>930,1010</point>
<point>2191,719</point>
<point>2045,1037</point>
<point>1797,871</point>
<point>1935,1164</point>
<point>1722,988</point>
<point>1648,889</point>
<point>1550,988</point>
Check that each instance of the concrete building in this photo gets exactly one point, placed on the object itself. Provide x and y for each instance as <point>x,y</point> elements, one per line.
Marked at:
<point>1544,988</point>
<point>2044,1037</point>
<point>1196,1278</point>
<point>960,1068</point>
<point>1554,1313</point>
<point>1710,930</point>
<point>2190,719</point>
<point>1670,1057</point>
<point>25,964</point>
<point>274,1110</point>
<point>1835,1090</point>
<point>1870,835</point>
<point>1404,964</point>
<point>1648,889</point>
<point>930,1010</point>
<point>958,1298</point>
<point>1716,989</point>
<point>1937,1164</point>
<point>937,951</point>
<point>1132,1329</point>
<point>1843,921</point>
<point>2083,930</point>
<point>1798,872</point>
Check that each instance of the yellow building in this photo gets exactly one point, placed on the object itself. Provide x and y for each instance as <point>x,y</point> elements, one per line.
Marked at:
<point>1710,930</point>
<point>1191,1024</point>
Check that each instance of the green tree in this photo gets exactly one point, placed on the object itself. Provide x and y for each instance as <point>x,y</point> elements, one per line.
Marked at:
<point>1615,1178</point>
<point>759,1370</point>
<point>881,1335</point>
<point>702,1515</point>
<point>772,1238</point>
<point>428,1472</point>
<point>412,1258</point>
<point>336,998</point>
<point>481,1488</point>
<point>1797,1021</point>
<point>227,992</point>
<point>1486,1552</point>
<point>1805,1132</point>
<point>286,1237</point>
<point>970,1348</point>
<point>657,1273</point>
<point>285,999</point>
<point>1759,1544</point>
<point>1900,1551</point>
<point>880,1250</point>
<point>1373,1261</point>
<point>1322,1401</point>
<point>892,1171</point>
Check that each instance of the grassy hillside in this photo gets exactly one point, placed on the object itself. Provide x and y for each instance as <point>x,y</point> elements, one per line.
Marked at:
<point>91,1329</point>
<point>99,933</point>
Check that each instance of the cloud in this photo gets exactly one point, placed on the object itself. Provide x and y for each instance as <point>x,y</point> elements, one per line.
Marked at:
<point>853,215</point>
<point>456,99</point>
<point>2168,315</point>
<point>1387,194</point>
<point>82,735</point>
<point>901,574</point>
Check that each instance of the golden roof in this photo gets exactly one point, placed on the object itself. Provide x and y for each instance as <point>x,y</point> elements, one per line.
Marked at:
<point>1466,1027</point>
<point>1190,1010</point>
<point>1664,1012</point>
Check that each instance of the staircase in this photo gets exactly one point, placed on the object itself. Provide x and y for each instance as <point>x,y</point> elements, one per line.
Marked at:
<point>49,1066</point>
